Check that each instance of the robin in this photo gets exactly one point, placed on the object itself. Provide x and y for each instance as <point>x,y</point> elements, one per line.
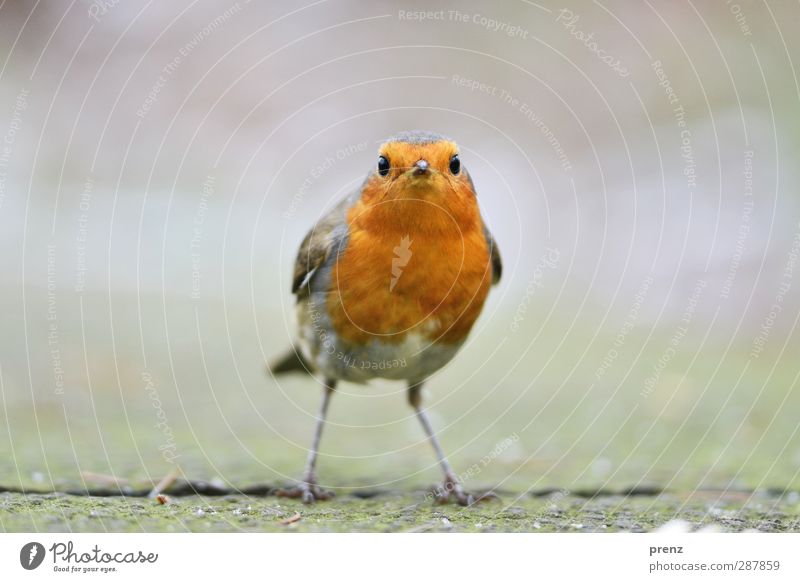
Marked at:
<point>390,282</point>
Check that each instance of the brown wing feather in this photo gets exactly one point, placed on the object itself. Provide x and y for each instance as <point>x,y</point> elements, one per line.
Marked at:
<point>317,245</point>
<point>497,262</point>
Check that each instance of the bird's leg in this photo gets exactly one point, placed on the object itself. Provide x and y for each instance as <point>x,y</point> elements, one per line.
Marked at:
<point>451,486</point>
<point>308,490</point>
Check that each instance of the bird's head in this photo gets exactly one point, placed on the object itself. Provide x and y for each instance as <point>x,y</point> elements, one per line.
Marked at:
<point>419,168</point>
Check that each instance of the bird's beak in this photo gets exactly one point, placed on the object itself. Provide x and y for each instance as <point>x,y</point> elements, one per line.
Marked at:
<point>421,168</point>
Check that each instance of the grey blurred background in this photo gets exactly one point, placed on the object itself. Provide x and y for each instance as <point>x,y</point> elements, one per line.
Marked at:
<point>637,163</point>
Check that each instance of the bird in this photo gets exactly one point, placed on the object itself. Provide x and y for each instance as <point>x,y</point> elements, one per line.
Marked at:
<point>389,284</point>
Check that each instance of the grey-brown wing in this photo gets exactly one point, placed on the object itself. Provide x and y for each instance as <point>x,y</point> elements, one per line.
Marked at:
<point>326,237</point>
<point>494,251</point>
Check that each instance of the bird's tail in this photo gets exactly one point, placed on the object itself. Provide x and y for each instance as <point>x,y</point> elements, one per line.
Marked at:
<point>292,361</point>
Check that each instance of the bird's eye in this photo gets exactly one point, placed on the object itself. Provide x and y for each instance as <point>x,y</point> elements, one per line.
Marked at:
<point>383,166</point>
<point>455,164</point>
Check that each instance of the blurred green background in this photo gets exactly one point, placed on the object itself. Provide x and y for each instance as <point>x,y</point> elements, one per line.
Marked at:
<point>162,163</point>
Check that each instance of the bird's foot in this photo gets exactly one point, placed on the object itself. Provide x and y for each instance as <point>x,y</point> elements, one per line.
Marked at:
<point>452,490</point>
<point>307,490</point>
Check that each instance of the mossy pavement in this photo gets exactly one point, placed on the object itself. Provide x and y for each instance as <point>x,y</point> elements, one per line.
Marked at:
<point>399,512</point>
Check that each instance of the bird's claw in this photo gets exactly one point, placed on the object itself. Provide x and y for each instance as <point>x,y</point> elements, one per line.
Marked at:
<point>307,491</point>
<point>452,489</point>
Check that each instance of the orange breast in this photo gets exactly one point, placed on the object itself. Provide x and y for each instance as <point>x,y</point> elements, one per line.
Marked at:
<point>410,268</point>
